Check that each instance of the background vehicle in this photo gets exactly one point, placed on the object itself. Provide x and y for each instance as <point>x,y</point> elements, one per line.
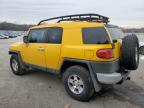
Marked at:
<point>84,49</point>
<point>3,37</point>
<point>141,48</point>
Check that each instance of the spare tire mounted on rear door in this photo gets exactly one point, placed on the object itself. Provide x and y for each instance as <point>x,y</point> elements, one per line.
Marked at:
<point>130,52</point>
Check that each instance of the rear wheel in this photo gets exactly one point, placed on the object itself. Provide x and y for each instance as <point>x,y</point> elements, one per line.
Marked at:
<point>78,83</point>
<point>15,66</point>
<point>130,52</point>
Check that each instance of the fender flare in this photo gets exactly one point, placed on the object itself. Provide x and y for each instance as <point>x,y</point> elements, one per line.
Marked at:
<point>19,58</point>
<point>97,86</point>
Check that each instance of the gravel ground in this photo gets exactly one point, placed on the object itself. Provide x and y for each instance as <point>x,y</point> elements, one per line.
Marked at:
<point>43,90</point>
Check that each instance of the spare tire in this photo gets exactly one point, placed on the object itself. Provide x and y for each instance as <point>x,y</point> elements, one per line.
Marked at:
<point>130,52</point>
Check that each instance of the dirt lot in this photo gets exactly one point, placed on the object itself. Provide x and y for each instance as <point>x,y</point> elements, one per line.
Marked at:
<point>43,90</point>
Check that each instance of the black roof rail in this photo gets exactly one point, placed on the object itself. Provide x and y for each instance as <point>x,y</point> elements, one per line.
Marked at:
<point>79,17</point>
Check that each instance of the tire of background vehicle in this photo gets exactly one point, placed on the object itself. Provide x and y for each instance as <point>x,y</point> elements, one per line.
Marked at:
<point>19,70</point>
<point>130,52</point>
<point>83,73</point>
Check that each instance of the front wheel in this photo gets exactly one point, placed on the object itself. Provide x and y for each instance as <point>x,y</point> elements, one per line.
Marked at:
<point>15,65</point>
<point>78,83</point>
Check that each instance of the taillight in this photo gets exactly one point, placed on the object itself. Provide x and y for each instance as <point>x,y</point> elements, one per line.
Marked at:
<point>105,53</point>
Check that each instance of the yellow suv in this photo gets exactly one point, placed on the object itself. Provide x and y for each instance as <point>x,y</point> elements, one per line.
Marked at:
<point>84,49</point>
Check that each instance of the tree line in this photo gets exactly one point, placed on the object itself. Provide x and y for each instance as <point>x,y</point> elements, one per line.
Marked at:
<point>15,27</point>
<point>25,27</point>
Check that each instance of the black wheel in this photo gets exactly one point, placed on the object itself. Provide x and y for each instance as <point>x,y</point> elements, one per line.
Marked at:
<point>130,52</point>
<point>15,66</point>
<point>78,83</point>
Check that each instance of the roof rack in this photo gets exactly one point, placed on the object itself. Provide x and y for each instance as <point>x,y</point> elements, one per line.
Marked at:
<point>79,17</point>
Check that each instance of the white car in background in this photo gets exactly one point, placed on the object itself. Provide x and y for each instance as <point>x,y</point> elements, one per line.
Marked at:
<point>141,44</point>
<point>4,37</point>
<point>141,48</point>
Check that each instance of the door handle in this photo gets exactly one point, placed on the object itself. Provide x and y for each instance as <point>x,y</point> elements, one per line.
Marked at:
<point>40,49</point>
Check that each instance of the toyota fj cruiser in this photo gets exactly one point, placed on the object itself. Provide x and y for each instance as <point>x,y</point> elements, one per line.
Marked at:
<point>84,49</point>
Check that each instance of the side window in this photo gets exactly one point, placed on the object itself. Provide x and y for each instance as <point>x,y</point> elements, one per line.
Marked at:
<point>54,35</point>
<point>37,36</point>
<point>95,36</point>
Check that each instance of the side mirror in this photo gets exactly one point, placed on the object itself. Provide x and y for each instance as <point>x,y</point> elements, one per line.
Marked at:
<point>25,39</point>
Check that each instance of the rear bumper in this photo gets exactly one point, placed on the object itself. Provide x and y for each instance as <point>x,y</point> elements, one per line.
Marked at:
<point>113,78</point>
<point>106,67</point>
<point>109,72</point>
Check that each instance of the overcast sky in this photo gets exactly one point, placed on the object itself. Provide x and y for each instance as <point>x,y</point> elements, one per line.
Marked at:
<point>127,13</point>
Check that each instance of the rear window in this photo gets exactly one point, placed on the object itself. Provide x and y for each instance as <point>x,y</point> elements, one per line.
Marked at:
<point>95,36</point>
<point>116,33</point>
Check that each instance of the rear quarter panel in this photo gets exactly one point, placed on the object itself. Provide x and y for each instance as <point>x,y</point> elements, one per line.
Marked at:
<point>73,47</point>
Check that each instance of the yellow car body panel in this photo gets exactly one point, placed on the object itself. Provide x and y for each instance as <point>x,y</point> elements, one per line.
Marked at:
<point>16,46</point>
<point>52,55</point>
<point>70,25</point>
<point>31,54</point>
<point>72,46</point>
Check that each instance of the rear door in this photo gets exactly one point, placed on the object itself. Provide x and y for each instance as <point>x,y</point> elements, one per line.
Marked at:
<point>53,47</point>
